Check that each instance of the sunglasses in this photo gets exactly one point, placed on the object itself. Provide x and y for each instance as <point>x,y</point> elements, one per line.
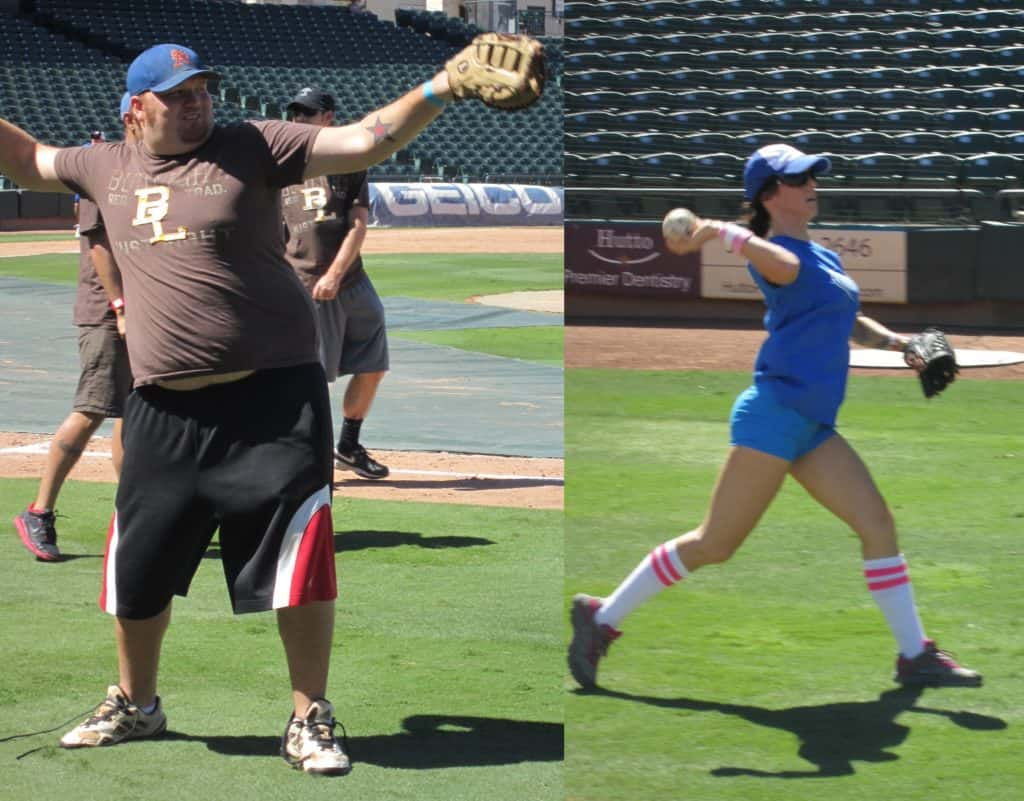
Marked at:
<point>799,179</point>
<point>295,114</point>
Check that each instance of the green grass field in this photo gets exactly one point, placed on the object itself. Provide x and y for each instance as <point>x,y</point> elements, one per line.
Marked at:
<point>46,237</point>
<point>754,677</point>
<point>447,688</point>
<point>544,344</point>
<point>428,276</point>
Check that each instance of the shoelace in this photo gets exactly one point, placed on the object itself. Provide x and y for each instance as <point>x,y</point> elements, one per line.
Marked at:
<point>945,657</point>
<point>106,711</point>
<point>323,733</point>
<point>48,521</point>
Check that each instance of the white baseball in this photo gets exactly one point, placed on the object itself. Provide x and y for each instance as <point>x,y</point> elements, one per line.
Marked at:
<point>677,227</point>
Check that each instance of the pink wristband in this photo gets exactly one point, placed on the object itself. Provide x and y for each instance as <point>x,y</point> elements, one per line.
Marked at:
<point>734,236</point>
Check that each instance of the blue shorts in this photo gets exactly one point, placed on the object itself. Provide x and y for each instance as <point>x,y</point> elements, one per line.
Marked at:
<point>758,421</point>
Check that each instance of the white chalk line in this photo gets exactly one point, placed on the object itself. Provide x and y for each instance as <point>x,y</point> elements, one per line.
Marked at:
<point>41,448</point>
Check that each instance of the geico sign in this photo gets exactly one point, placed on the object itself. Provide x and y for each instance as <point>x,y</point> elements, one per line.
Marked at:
<point>412,200</point>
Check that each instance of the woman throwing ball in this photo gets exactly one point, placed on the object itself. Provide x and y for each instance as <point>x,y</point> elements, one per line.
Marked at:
<point>784,424</point>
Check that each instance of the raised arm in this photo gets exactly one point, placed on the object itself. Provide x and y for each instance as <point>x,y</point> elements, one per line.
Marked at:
<point>872,334</point>
<point>28,163</point>
<point>501,70</point>
<point>355,147</point>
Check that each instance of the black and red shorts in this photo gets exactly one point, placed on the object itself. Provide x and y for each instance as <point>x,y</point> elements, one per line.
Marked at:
<point>252,458</point>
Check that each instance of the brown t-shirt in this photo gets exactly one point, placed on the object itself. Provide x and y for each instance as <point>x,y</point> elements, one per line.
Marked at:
<point>92,307</point>
<point>316,223</point>
<point>197,239</point>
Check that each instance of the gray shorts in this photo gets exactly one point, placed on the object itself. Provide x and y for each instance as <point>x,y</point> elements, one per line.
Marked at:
<point>105,380</point>
<point>353,339</point>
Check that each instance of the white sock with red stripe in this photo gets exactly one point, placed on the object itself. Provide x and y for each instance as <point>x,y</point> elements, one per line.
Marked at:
<point>660,569</point>
<point>889,584</point>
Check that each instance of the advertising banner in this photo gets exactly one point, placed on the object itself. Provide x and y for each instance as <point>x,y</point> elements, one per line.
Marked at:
<point>627,259</point>
<point>435,205</point>
<point>875,258</point>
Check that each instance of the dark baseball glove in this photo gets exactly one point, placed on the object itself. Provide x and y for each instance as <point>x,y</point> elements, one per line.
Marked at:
<point>931,355</point>
<point>501,70</point>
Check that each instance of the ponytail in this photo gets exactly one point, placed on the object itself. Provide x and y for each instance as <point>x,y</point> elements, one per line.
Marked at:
<point>756,218</point>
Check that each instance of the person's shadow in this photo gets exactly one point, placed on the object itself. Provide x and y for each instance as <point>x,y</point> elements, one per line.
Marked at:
<point>832,736</point>
<point>425,742</point>
<point>363,540</point>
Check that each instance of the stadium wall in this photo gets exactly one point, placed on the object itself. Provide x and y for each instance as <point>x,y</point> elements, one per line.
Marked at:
<point>621,271</point>
<point>391,205</point>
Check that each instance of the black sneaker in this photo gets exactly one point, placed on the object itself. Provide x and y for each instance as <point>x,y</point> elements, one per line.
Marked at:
<point>39,535</point>
<point>360,462</point>
<point>934,668</point>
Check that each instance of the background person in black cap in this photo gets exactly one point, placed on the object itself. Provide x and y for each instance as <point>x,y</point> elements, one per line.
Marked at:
<point>325,221</point>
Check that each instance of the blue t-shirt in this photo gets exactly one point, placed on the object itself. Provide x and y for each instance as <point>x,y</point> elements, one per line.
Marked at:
<point>805,360</point>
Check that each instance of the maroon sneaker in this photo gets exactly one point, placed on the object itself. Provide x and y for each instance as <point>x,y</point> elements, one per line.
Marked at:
<point>934,668</point>
<point>590,640</point>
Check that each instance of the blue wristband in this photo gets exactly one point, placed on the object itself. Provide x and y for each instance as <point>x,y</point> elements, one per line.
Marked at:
<point>428,94</point>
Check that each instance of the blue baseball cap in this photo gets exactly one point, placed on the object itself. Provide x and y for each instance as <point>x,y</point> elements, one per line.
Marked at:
<point>772,160</point>
<point>163,67</point>
<point>126,103</point>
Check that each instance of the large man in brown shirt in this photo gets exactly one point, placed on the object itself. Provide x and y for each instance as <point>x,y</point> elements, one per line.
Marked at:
<point>229,425</point>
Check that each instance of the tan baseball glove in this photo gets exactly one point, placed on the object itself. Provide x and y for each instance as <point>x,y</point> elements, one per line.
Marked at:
<point>501,70</point>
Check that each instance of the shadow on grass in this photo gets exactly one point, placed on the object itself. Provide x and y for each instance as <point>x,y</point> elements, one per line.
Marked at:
<point>361,540</point>
<point>464,484</point>
<point>832,736</point>
<point>427,742</point>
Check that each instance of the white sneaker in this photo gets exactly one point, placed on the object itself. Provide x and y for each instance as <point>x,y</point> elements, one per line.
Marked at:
<point>309,744</point>
<point>115,720</point>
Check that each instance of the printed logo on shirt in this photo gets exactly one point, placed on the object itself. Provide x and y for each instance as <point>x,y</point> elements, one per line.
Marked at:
<point>151,209</point>
<point>315,199</point>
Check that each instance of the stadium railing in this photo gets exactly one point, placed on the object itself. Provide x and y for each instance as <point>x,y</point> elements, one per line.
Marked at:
<point>924,206</point>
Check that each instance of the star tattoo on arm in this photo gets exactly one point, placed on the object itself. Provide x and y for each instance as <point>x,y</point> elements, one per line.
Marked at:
<point>379,130</point>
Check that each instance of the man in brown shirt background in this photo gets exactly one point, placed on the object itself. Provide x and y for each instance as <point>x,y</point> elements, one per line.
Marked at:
<point>325,221</point>
<point>105,378</point>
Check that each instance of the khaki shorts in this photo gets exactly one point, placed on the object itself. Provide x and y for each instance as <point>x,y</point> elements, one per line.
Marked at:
<point>105,379</point>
